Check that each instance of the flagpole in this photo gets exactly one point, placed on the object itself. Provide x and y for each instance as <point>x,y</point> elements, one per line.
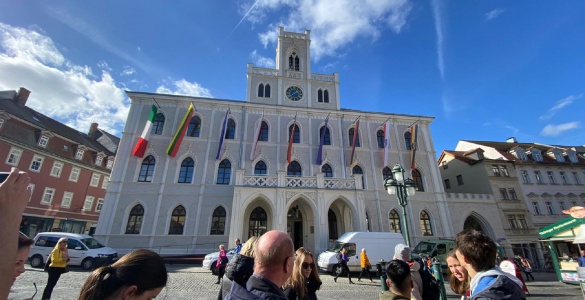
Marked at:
<point>153,99</point>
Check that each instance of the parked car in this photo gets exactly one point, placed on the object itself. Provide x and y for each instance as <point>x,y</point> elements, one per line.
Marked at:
<point>84,250</point>
<point>438,248</point>
<point>210,260</point>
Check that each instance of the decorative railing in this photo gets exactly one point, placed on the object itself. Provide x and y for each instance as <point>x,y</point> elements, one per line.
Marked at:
<point>297,182</point>
<point>325,78</point>
<point>263,71</point>
<point>261,181</point>
<point>294,74</point>
<point>342,184</point>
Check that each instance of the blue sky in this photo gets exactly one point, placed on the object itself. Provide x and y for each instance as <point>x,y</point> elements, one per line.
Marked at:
<point>486,70</point>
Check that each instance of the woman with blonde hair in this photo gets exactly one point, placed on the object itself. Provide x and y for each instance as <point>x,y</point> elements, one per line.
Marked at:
<point>239,268</point>
<point>140,274</point>
<point>304,281</point>
<point>459,279</point>
<point>58,265</point>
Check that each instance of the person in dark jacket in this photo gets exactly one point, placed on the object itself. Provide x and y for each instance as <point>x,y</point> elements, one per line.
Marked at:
<point>343,263</point>
<point>304,282</point>
<point>239,268</point>
<point>476,252</point>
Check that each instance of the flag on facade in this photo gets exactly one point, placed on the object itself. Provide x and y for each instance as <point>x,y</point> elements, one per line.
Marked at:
<point>320,153</point>
<point>413,144</point>
<point>386,142</point>
<point>180,134</point>
<point>290,141</point>
<point>222,134</point>
<point>356,132</point>
<point>256,138</point>
<point>140,147</point>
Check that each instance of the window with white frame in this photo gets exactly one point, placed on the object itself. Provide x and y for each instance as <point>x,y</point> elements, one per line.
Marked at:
<point>522,222</point>
<point>525,177</point>
<point>512,221</point>
<point>14,157</point>
<point>99,205</point>
<point>521,155</point>
<point>512,193</point>
<point>504,171</point>
<point>36,163</point>
<point>549,208</point>
<point>562,205</point>
<point>43,141</point>
<point>551,177</point>
<point>67,199</point>
<point>496,170</point>
<point>537,176</point>
<point>504,194</point>
<point>88,202</point>
<point>95,179</point>
<point>572,156</point>
<point>110,164</point>
<point>576,178</point>
<point>563,177</point>
<point>74,176</point>
<point>99,160</point>
<point>536,208</point>
<point>559,157</point>
<point>57,169</point>
<point>31,188</point>
<point>536,155</point>
<point>48,196</point>
<point>105,182</point>
<point>79,154</point>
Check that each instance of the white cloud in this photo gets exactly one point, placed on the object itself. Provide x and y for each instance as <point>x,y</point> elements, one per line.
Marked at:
<point>439,33</point>
<point>184,87</point>
<point>104,65</point>
<point>554,130</point>
<point>70,93</point>
<point>128,71</point>
<point>333,24</point>
<point>494,14</point>
<point>262,61</point>
<point>559,105</point>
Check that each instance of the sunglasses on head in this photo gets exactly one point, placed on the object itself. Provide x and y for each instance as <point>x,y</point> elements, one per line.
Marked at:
<point>308,265</point>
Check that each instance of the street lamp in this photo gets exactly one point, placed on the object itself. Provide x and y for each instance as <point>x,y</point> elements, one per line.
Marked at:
<point>402,188</point>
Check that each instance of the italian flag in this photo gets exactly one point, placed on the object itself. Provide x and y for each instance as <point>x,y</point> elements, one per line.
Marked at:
<point>180,134</point>
<point>143,141</point>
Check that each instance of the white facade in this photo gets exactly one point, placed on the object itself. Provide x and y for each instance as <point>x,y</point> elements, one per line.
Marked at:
<point>315,207</point>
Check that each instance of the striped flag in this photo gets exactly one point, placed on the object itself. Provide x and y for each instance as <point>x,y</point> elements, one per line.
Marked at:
<point>290,142</point>
<point>356,132</point>
<point>320,153</point>
<point>413,144</point>
<point>180,134</point>
<point>222,136</point>
<point>140,147</point>
<point>256,137</point>
<point>386,142</point>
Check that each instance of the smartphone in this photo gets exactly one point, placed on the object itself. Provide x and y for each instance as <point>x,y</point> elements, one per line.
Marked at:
<point>3,176</point>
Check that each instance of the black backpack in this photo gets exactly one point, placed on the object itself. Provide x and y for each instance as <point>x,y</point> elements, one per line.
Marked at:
<point>430,288</point>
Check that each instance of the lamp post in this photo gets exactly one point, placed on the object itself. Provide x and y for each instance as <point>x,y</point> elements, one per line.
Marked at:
<point>402,188</point>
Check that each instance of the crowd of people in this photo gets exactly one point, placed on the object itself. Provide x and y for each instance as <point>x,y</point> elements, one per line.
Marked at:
<point>266,267</point>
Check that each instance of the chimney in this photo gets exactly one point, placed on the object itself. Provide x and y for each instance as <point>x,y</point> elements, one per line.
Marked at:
<point>511,140</point>
<point>22,96</point>
<point>92,129</point>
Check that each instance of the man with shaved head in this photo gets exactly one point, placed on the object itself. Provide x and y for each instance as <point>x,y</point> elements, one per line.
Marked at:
<point>273,265</point>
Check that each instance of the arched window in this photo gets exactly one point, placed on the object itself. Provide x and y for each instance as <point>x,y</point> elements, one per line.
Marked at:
<point>297,136</point>
<point>294,62</point>
<point>178,220</point>
<point>218,221</point>
<point>194,128</point>
<point>408,140</point>
<point>158,124</point>
<point>326,96</point>
<point>425,223</point>
<point>386,173</point>
<point>380,137</point>
<point>358,170</point>
<point>327,138</point>
<point>294,169</point>
<point>261,90</point>
<point>263,134</point>
<point>257,223</point>
<point>368,222</point>
<point>267,91</point>
<point>357,139</point>
<point>332,221</point>
<point>146,169</point>
<point>319,95</point>
<point>418,180</point>
<point>135,220</point>
<point>224,172</point>
<point>395,225</point>
<point>260,168</point>
<point>186,172</point>
<point>327,171</point>
<point>230,132</point>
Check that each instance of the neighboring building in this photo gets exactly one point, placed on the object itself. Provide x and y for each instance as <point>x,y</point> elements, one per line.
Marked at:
<point>69,170</point>
<point>193,202</point>
<point>532,184</point>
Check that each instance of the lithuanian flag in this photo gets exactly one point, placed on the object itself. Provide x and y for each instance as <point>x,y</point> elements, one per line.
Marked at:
<point>143,141</point>
<point>180,134</point>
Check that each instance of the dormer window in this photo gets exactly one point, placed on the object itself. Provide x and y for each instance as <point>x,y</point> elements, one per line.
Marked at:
<point>520,153</point>
<point>536,155</point>
<point>99,160</point>
<point>559,157</point>
<point>572,156</point>
<point>110,164</point>
<point>43,141</point>
<point>79,154</point>
<point>480,155</point>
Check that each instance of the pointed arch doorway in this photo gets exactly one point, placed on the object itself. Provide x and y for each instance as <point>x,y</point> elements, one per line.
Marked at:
<point>294,226</point>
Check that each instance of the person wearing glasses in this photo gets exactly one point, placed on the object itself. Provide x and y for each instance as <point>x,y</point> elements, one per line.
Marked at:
<point>59,259</point>
<point>304,281</point>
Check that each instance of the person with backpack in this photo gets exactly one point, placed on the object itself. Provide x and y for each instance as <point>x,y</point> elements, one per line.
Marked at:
<point>343,259</point>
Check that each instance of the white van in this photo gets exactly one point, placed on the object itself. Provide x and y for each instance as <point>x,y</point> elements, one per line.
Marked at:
<point>84,250</point>
<point>378,245</point>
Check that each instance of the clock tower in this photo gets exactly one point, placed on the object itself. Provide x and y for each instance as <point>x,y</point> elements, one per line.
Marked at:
<point>292,83</point>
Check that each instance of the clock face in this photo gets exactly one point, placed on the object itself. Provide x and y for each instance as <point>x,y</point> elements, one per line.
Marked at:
<point>294,93</point>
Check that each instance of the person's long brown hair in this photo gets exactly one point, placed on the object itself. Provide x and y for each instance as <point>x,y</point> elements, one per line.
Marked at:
<point>459,287</point>
<point>297,280</point>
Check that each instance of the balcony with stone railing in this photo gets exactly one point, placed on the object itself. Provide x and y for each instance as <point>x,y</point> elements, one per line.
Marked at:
<point>281,180</point>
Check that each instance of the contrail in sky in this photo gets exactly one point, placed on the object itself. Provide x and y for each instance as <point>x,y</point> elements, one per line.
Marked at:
<point>244,17</point>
